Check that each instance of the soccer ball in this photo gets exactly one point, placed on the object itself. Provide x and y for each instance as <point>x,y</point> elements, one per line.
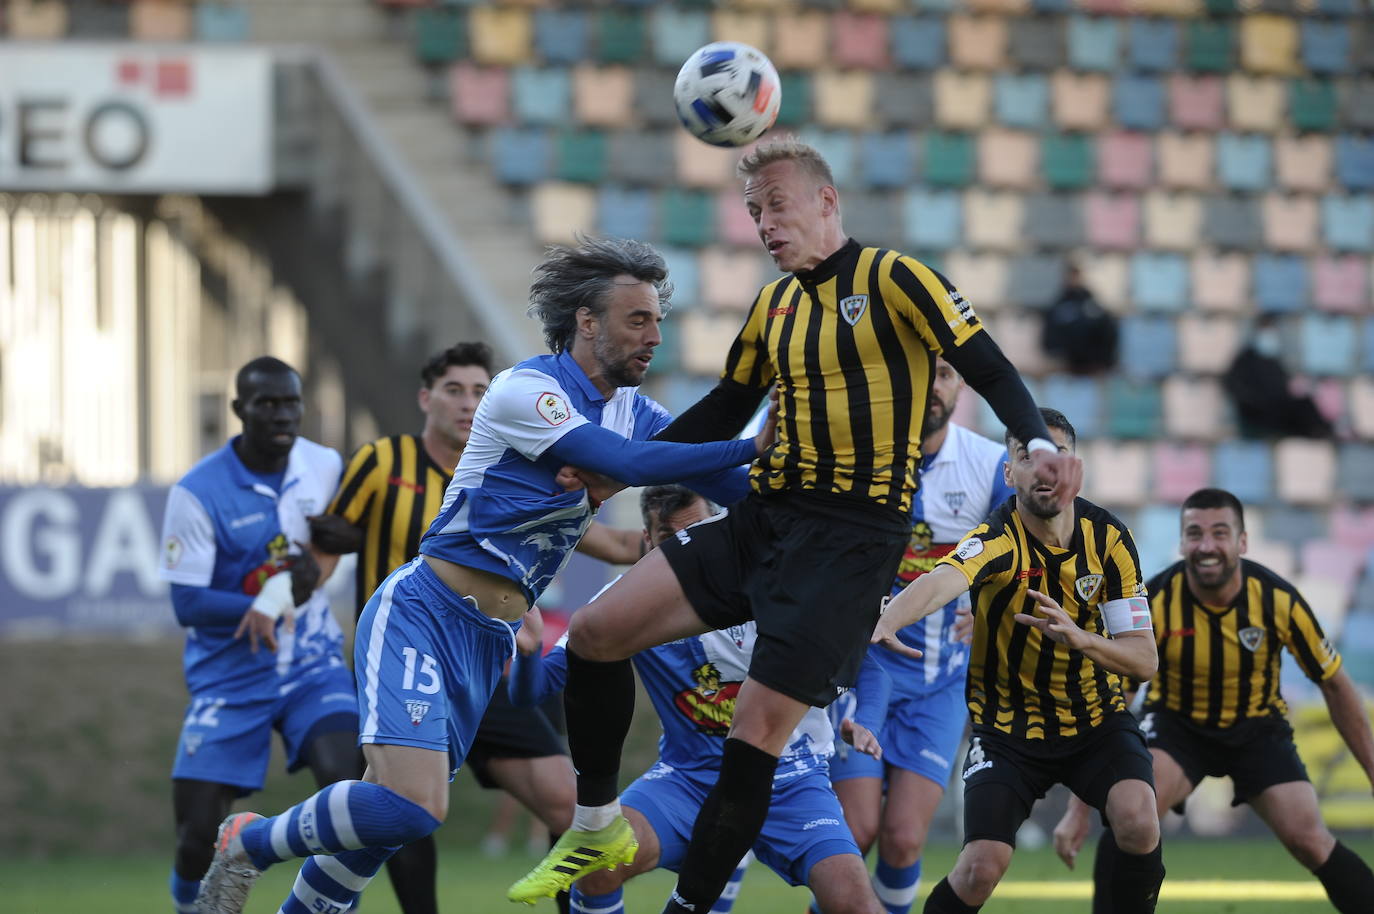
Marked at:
<point>727,94</point>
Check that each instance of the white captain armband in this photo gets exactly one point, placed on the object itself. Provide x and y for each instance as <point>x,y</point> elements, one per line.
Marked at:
<point>275,598</point>
<point>1129,615</point>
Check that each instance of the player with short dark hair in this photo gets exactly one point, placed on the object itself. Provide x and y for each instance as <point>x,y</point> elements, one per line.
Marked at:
<point>1214,708</point>
<point>241,581</point>
<point>849,337</point>
<point>1059,615</point>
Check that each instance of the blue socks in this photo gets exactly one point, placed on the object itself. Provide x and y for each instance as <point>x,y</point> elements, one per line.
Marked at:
<point>347,815</point>
<point>610,903</point>
<point>896,886</point>
<point>334,883</point>
<point>184,893</point>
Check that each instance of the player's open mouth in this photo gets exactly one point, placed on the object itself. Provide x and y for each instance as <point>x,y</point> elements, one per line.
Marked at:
<point>775,246</point>
<point>645,359</point>
<point>1207,562</point>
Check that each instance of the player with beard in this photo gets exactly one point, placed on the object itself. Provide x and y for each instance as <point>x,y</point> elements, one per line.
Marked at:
<point>893,800</point>
<point>1221,623</point>
<point>1059,616</point>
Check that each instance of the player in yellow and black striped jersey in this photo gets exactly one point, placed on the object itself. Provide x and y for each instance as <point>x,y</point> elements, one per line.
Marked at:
<point>1214,708</point>
<point>1059,616</point>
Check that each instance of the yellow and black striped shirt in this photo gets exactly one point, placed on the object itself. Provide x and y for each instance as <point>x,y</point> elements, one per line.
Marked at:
<point>1219,665</point>
<point>392,490</point>
<point>1019,681</point>
<point>852,346</point>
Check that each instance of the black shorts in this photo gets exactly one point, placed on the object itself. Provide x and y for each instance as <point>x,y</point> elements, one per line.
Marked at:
<point>1255,754</point>
<point>1004,775</point>
<point>507,731</point>
<point>809,572</point>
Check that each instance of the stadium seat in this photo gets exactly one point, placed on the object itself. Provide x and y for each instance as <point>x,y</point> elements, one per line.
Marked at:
<point>1156,537</point>
<point>1094,43</point>
<point>676,33</point>
<point>1116,473</point>
<point>1185,160</point>
<point>1356,471</point>
<point>837,147</point>
<point>947,159</point>
<point>704,338</point>
<point>1328,345</point>
<point>1312,104</point>
<point>1194,409</point>
<point>653,93</point>
<point>561,36</point>
<point>1206,345</point>
<point>1305,471</point>
<point>1177,9</point>
<point>1179,470</point>
<point>1367,347</point>
<point>1332,560</point>
<point>214,21</point>
<point>1052,6</point>
<point>1138,102</point>
<point>1054,220</point>
<point>1361,407</point>
<point>1244,161</point>
<point>1037,43</point>
<point>1354,526</point>
<point>1039,278</point>
<point>689,218</point>
<point>1108,276</point>
<point>500,35</point>
<point>1135,410</point>
<point>734,225</point>
<point>1221,281</point>
<point>1148,346</point>
<point>860,40</point>
<point>904,100</point>
<point>1001,7</point>
<point>1209,45</point>
<point>730,278</point>
<point>1269,44</point>
<point>1329,395</point>
<point>1348,222</point>
<point>521,155</point>
<point>932,220</point>
<point>540,96</point>
<point>1303,162</point>
<point>620,35</point>
<point>1127,160</point>
<point>1172,221</point>
<point>1196,102</point>
<point>795,108</point>
<point>35,19</point>
<point>603,96</point>
<point>699,165</point>
<point>1113,220</point>
<point>802,38</point>
<point>962,100</point>
<point>1008,158</point>
<point>1159,281</point>
<point>1339,283</point>
<point>1018,333</point>
<point>641,158</point>
<point>685,272</point>
<point>1079,101</point>
<point>1078,398</point>
<point>1358,109</point>
<point>1232,221</point>
<point>1290,222</point>
<point>1246,470</point>
<point>1022,100</point>
<point>160,20</point>
<point>993,219</point>
<point>1288,523</point>
<point>1280,282</point>
<point>981,277</point>
<point>581,156</point>
<point>479,96</point>
<point>741,25</point>
<point>886,159</point>
<point>874,217</point>
<point>1152,44</point>
<point>626,213</point>
<point>1254,102</point>
<point>977,42</point>
<point>1355,161</point>
<point>562,211</point>
<point>918,42</point>
<point>1067,160</point>
<point>440,34</point>
<point>844,98</point>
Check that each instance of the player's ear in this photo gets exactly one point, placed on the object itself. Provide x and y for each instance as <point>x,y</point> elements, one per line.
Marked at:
<point>237,407</point>
<point>830,200</point>
<point>1243,541</point>
<point>422,398</point>
<point>585,320</point>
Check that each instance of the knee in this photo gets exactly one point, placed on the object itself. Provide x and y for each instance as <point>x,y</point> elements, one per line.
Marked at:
<point>1137,831</point>
<point>901,844</point>
<point>1310,846</point>
<point>976,875</point>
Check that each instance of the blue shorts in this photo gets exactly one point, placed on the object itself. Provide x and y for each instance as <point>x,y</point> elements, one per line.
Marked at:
<point>805,823</point>
<point>427,662</point>
<point>225,741</point>
<point>920,734</point>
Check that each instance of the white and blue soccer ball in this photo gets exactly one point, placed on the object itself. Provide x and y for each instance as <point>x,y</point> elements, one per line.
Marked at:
<point>727,93</point>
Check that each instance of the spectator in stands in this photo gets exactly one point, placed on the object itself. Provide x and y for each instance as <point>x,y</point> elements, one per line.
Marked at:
<point>1077,330</point>
<point>1263,391</point>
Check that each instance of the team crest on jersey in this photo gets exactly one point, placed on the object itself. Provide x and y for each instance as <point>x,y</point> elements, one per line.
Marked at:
<point>711,703</point>
<point>1088,586</point>
<point>417,710</point>
<point>553,408</point>
<point>853,308</point>
<point>955,500</point>
<point>1251,638</point>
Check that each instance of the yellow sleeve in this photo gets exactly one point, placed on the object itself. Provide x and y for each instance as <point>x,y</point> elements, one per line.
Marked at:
<point>1307,643</point>
<point>982,554</point>
<point>362,480</point>
<point>747,362</point>
<point>1121,575</point>
<point>939,312</point>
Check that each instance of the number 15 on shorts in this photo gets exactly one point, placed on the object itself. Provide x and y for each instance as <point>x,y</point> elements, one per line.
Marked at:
<point>425,680</point>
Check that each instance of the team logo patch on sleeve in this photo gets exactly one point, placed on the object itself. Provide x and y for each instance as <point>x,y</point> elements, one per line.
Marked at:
<point>1251,638</point>
<point>553,408</point>
<point>1088,586</point>
<point>172,552</point>
<point>969,548</point>
<point>853,308</point>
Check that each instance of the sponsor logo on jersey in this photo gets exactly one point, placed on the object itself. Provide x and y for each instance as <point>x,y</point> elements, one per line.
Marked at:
<point>417,710</point>
<point>247,519</point>
<point>1251,638</point>
<point>1087,586</point>
<point>935,757</point>
<point>853,308</point>
<point>553,409</point>
<point>278,556</point>
<point>962,305</point>
<point>969,548</point>
<point>971,770</point>
<point>401,483</point>
<point>172,551</point>
<point>710,705</point>
<point>1025,574</point>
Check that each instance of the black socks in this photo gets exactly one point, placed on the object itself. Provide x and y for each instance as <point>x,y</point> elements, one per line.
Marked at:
<point>600,703</point>
<point>1348,881</point>
<point>942,900</point>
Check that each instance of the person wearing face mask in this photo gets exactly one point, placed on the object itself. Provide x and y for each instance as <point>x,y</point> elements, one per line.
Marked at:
<point>1262,390</point>
<point>1221,623</point>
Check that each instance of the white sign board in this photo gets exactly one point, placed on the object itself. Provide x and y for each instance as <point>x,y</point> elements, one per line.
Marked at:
<point>135,118</point>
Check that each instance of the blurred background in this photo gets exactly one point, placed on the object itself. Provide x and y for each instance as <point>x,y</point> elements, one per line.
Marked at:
<point>1177,196</point>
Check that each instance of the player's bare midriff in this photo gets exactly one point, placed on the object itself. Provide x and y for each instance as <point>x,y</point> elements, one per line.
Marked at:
<point>496,596</point>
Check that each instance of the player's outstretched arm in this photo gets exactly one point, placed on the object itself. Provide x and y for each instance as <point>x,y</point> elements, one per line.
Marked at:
<point>922,597</point>
<point>1346,706</point>
<point>1128,653</point>
<point>647,463</point>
